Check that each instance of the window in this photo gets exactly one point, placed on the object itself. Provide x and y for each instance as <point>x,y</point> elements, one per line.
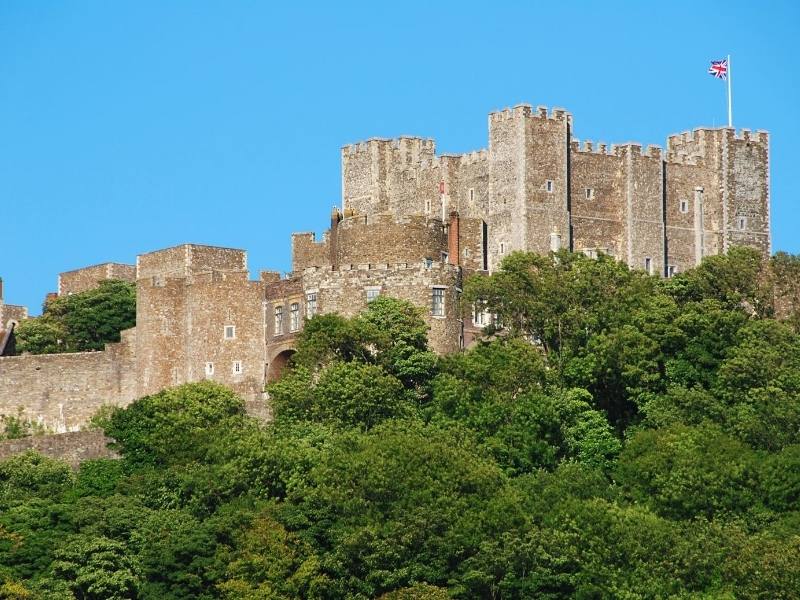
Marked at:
<point>741,223</point>
<point>311,304</point>
<point>237,367</point>
<point>427,206</point>
<point>648,265</point>
<point>209,369</point>
<point>589,194</point>
<point>502,248</point>
<point>480,316</point>
<point>437,302</point>
<point>230,332</point>
<point>684,206</point>
<point>590,252</point>
<point>485,245</point>
<point>278,320</point>
<point>445,257</point>
<point>471,194</point>
<point>670,270</point>
<point>548,185</point>
<point>373,293</point>
<point>294,316</point>
<point>428,263</point>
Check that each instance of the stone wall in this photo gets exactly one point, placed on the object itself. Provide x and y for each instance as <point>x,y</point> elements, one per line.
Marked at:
<point>63,391</point>
<point>87,278</point>
<point>73,447</point>
<point>345,292</point>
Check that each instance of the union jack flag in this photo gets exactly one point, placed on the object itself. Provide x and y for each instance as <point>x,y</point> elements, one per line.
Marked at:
<point>719,68</point>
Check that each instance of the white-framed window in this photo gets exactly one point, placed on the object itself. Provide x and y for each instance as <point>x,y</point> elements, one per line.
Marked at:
<point>590,252</point>
<point>230,332</point>
<point>589,193</point>
<point>684,206</point>
<point>294,316</point>
<point>278,320</point>
<point>741,223</point>
<point>311,304</point>
<point>648,265</point>
<point>372,293</point>
<point>237,367</point>
<point>671,271</point>
<point>548,185</point>
<point>437,301</point>
<point>480,316</point>
<point>209,369</point>
<point>471,194</point>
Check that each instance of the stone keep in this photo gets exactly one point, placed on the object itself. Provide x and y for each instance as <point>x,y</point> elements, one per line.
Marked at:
<point>412,225</point>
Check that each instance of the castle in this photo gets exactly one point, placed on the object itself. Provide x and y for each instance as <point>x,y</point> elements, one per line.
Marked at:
<point>412,225</point>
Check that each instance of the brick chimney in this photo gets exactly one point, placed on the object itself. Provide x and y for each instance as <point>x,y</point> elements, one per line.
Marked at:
<point>453,239</point>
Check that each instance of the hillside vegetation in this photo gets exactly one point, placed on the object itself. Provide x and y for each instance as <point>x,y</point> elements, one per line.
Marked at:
<point>615,436</point>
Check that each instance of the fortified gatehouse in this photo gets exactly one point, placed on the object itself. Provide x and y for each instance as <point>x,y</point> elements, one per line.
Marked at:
<point>412,225</point>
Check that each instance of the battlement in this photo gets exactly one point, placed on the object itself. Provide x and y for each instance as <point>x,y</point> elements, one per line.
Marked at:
<point>588,147</point>
<point>420,266</point>
<point>701,135</point>
<point>190,259</point>
<point>404,145</point>
<point>526,111</point>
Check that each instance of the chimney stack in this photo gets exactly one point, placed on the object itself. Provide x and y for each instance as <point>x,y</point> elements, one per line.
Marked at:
<point>453,239</point>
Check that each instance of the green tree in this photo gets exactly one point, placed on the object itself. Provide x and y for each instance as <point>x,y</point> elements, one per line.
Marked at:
<point>80,322</point>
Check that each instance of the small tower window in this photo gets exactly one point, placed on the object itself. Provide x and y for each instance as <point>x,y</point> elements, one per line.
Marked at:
<point>684,206</point>
<point>428,206</point>
<point>230,332</point>
<point>648,265</point>
<point>741,223</point>
<point>209,369</point>
<point>471,194</point>
<point>373,293</point>
<point>671,271</point>
<point>237,367</point>
<point>502,248</point>
<point>548,185</point>
<point>437,302</point>
<point>589,194</point>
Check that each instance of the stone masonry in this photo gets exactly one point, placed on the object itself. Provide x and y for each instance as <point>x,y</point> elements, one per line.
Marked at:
<point>412,225</point>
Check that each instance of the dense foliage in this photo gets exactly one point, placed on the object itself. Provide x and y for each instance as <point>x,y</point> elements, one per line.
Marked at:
<point>618,437</point>
<point>80,322</point>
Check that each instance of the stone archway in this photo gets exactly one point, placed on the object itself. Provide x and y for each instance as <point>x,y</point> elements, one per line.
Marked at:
<point>278,364</point>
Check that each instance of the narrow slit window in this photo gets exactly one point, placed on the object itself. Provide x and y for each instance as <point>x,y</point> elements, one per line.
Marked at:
<point>278,320</point>
<point>589,193</point>
<point>648,265</point>
<point>684,206</point>
<point>548,185</point>
<point>741,223</point>
<point>311,304</point>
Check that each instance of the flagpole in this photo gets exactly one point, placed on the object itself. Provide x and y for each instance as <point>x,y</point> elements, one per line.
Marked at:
<point>730,101</point>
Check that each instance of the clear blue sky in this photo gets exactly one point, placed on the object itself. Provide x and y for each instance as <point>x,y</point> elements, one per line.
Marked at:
<point>127,127</point>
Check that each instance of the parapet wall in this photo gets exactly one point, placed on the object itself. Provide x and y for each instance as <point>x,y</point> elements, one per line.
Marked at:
<point>189,259</point>
<point>87,278</point>
<point>62,391</point>
<point>385,239</point>
<point>73,447</point>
